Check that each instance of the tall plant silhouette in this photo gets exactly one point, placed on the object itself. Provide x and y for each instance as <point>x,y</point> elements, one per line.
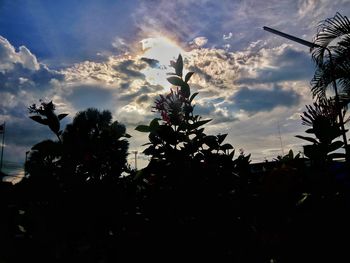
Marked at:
<point>190,184</point>
<point>322,118</point>
<point>46,115</point>
<point>179,133</point>
<point>333,34</point>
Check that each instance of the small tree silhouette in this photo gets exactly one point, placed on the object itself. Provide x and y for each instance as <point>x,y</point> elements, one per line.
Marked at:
<point>322,118</point>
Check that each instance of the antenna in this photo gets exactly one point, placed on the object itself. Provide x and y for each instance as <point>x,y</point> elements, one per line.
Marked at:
<point>280,137</point>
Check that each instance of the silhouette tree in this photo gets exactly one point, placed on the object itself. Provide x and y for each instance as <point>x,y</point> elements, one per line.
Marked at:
<point>333,34</point>
<point>95,147</point>
<point>73,194</point>
<point>91,147</point>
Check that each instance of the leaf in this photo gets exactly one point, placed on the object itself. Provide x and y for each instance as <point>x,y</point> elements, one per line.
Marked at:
<point>211,141</point>
<point>335,146</point>
<point>126,135</point>
<point>313,140</point>
<point>226,146</point>
<point>310,131</point>
<point>179,66</point>
<point>143,128</point>
<point>176,81</point>
<point>221,137</point>
<point>39,119</point>
<point>185,90</point>
<point>199,123</point>
<point>193,96</point>
<point>232,154</point>
<point>154,124</point>
<point>150,150</point>
<point>61,116</point>
<point>188,76</point>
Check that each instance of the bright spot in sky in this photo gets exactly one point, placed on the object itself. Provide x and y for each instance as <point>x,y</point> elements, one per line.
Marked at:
<point>161,49</point>
<point>164,50</point>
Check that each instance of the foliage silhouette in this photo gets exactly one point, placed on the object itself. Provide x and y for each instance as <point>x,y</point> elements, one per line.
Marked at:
<point>334,34</point>
<point>191,183</point>
<point>94,147</point>
<point>47,110</point>
<point>322,118</point>
<point>73,192</point>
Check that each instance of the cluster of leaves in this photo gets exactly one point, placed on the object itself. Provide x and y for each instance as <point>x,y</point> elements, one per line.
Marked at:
<point>335,68</point>
<point>46,116</point>
<point>322,118</point>
<point>179,134</point>
<point>91,147</point>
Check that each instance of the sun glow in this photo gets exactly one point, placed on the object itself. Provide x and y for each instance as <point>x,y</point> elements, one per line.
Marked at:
<point>163,50</point>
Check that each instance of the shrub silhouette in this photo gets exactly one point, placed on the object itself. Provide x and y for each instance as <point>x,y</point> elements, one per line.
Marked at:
<point>322,118</point>
<point>188,189</point>
<point>73,194</point>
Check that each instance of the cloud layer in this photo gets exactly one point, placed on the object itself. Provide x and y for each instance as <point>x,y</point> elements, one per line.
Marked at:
<point>116,56</point>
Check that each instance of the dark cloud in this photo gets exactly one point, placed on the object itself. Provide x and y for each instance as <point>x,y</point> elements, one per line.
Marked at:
<point>290,65</point>
<point>130,69</point>
<point>201,73</point>
<point>21,78</point>
<point>142,99</point>
<point>221,118</point>
<point>153,63</point>
<point>86,96</point>
<point>143,90</point>
<point>255,100</point>
<point>209,110</point>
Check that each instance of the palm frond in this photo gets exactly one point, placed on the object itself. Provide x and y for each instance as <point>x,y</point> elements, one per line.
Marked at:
<point>329,30</point>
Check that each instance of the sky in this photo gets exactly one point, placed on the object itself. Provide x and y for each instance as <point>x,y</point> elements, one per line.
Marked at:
<point>115,55</point>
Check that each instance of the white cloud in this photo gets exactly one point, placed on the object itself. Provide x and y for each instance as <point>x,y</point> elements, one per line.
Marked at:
<point>228,36</point>
<point>9,57</point>
<point>28,60</point>
<point>123,84</point>
<point>199,41</point>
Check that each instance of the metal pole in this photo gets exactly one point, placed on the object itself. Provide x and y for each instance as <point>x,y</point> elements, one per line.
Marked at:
<point>313,45</point>
<point>2,146</point>
<point>135,152</point>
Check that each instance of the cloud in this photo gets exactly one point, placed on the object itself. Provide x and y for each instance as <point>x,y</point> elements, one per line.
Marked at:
<point>199,41</point>
<point>228,36</point>
<point>276,65</point>
<point>124,85</point>
<point>85,96</point>
<point>256,100</point>
<point>153,63</point>
<point>9,57</point>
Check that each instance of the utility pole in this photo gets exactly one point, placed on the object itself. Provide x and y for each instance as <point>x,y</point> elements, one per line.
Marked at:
<point>2,130</point>
<point>135,152</point>
<point>280,137</point>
